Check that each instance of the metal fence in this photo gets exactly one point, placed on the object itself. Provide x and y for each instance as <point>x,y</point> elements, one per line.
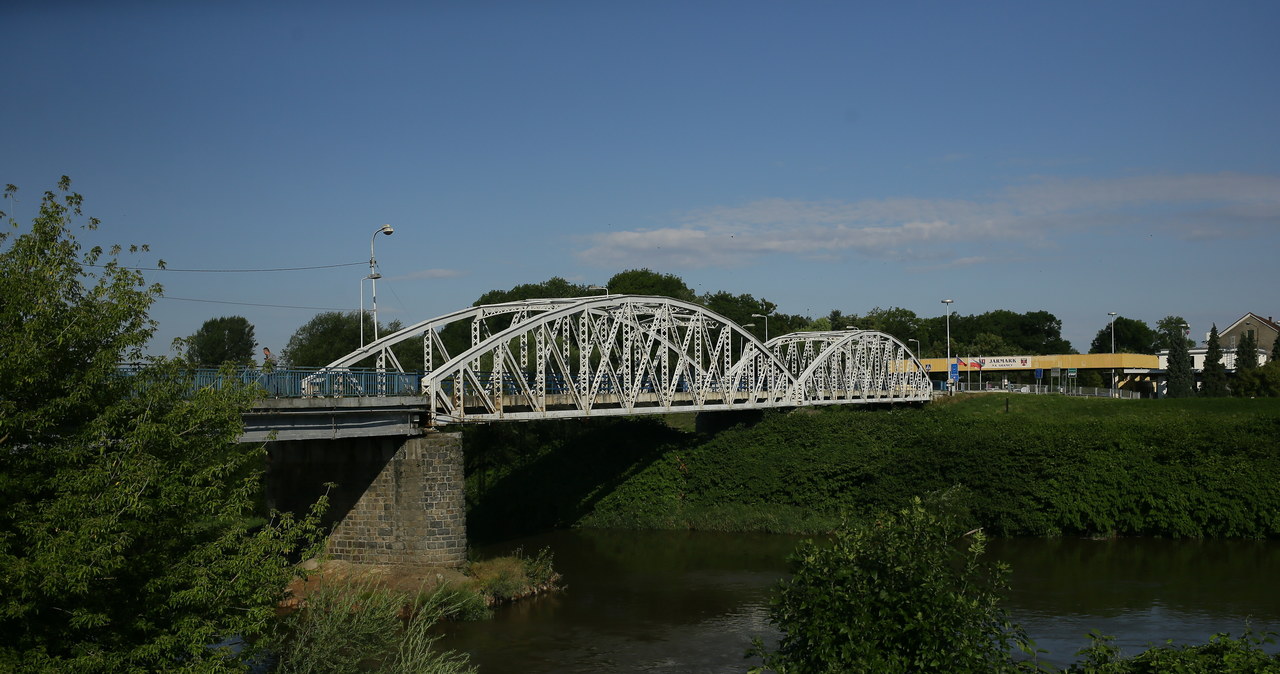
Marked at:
<point>1042,389</point>
<point>308,382</point>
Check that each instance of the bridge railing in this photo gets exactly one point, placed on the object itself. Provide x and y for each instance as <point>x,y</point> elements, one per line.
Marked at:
<point>308,382</point>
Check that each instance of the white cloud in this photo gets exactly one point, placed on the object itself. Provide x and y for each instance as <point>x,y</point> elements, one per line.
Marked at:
<point>1023,217</point>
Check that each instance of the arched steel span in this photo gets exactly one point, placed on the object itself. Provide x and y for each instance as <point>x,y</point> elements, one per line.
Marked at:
<point>634,354</point>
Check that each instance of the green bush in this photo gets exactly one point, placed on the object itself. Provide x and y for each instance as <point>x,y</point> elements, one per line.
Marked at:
<point>906,591</point>
<point>1222,655</point>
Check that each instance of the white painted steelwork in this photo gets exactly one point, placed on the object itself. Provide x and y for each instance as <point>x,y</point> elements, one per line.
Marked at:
<point>634,354</point>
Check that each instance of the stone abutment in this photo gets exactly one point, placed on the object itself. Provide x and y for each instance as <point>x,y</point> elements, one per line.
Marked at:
<point>396,500</point>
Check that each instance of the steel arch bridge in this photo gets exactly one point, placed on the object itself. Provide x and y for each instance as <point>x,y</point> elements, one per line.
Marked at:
<point>628,355</point>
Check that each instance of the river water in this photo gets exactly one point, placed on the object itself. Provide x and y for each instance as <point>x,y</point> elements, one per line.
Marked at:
<point>679,601</point>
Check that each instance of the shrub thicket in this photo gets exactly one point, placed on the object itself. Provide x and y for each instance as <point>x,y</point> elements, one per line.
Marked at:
<point>1049,466</point>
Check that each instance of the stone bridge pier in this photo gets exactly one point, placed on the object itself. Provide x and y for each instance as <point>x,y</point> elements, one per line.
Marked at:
<point>397,500</point>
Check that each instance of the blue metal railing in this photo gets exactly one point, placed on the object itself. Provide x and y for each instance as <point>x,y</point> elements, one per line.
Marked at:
<point>308,382</point>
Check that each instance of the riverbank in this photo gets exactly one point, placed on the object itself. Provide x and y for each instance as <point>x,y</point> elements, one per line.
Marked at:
<point>1049,466</point>
<point>471,590</point>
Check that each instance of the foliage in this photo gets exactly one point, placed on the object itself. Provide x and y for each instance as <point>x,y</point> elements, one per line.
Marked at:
<point>1222,654</point>
<point>1275,350</point>
<point>128,536</point>
<point>1048,466</point>
<point>1181,378</point>
<point>1131,336</point>
<point>1214,384</point>
<point>1259,382</point>
<point>228,339</point>
<point>647,282</point>
<point>906,591</point>
<point>331,335</point>
<point>358,627</point>
<point>1171,330</point>
<point>1247,352</point>
<point>552,287</point>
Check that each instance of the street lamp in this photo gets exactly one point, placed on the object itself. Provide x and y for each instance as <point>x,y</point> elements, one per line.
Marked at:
<point>950,381</point>
<point>373,281</point>
<point>766,324</point>
<point>1112,314</point>
<point>742,341</point>
<point>598,289</point>
<point>912,339</point>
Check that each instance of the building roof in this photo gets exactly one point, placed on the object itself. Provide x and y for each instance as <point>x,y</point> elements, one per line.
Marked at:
<point>1268,322</point>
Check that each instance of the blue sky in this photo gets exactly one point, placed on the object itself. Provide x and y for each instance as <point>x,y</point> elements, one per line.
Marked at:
<point>1079,157</point>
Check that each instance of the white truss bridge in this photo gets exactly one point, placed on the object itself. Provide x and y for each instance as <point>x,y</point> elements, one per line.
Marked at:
<point>628,355</point>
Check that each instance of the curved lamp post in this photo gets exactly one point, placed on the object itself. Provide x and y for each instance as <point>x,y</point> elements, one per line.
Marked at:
<point>766,324</point>
<point>373,281</point>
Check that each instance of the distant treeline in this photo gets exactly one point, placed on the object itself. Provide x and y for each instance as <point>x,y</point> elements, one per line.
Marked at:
<point>1049,466</point>
<point>331,335</point>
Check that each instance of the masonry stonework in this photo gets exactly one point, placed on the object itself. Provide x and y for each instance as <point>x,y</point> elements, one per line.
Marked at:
<point>398,501</point>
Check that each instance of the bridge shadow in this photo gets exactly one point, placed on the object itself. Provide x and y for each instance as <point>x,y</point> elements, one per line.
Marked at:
<point>531,477</point>
<point>299,472</point>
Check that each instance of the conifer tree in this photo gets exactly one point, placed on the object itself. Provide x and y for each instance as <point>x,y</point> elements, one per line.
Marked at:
<point>1215,374</point>
<point>1247,353</point>
<point>1181,379</point>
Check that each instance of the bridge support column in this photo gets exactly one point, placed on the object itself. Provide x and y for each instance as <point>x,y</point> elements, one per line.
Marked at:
<point>399,501</point>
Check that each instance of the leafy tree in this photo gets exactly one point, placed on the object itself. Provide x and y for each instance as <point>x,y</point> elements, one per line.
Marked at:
<point>552,287</point>
<point>331,335</point>
<point>1258,382</point>
<point>1132,336</point>
<point>1247,353</point>
<point>1215,373</point>
<point>1275,350</point>
<point>841,322</point>
<point>901,323</point>
<point>738,308</point>
<point>646,282</point>
<point>1181,379</point>
<point>894,594</point>
<point>127,536</point>
<point>228,339</point>
<point>988,344</point>
<point>1171,329</point>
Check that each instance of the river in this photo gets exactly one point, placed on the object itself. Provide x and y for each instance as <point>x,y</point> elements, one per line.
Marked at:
<point>679,601</point>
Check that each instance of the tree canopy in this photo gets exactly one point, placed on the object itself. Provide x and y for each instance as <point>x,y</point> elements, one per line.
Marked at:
<point>330,335</point>
<point>1131,336</point>
<point>1170,329</point>
<point>228,339</point>
<point>648,282</point>
<point>128,533</point>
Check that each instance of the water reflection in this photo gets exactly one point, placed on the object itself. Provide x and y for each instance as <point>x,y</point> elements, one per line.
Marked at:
<point>1142,591</point>
<point>691,601</point>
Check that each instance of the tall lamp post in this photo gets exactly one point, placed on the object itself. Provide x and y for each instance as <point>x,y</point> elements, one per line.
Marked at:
<point>598,289</point>
<point>950,382</point>
<point>1112,314</point>
<point>742,341</point>
<point>766,324</point>
<point>912,339</point>
<point>373,281</point>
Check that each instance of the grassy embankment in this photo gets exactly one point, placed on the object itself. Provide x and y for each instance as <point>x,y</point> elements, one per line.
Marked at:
<point>1049,466</point>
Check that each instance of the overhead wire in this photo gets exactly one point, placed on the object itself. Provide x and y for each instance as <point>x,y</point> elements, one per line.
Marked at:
<point>250,304</point>
<point>237,271</point>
